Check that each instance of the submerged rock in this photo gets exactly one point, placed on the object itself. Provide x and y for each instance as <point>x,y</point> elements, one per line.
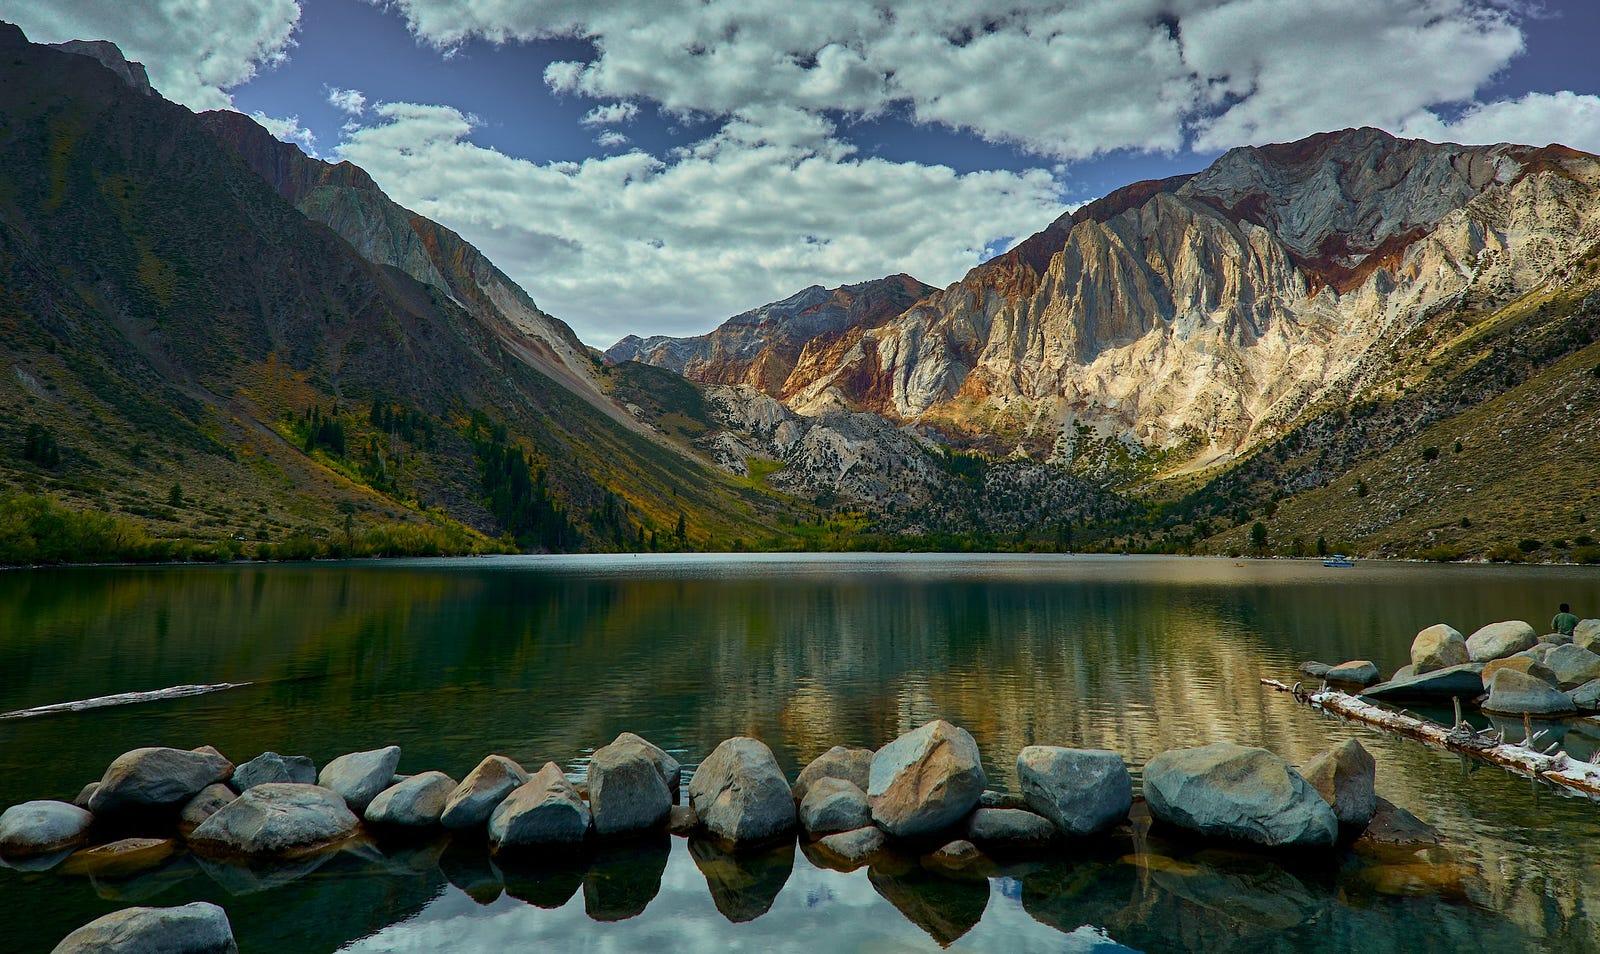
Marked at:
<point>926,780</point>
<point>196,928</point>
<point>544,810</point>
<point>360,776</point>
<point>852,765</point>
<point>1238,792</point>
<point>1440,646</point>
<point>277,818</point>
<point>1498,640</point>
<point>272,767</point>
<point>854,847</point>
<point>1314,669</point>
<point>1573,665</point>
<point>1464,681</point>
<point>1518,692</point>
<point>1010,829</point>
<point>1081,791</point>
<point>41,828</point>
<point>484,788</point>
<point>1360,672</point>
<point>156,778</point>
<point>119,859</point>
<point>417,801</point>
<point>682,820</point>
<point>740,794</point>
<point>1344,778</point>
<point>1393,830</point>
<point>626,791</point>
<point>834,805</point>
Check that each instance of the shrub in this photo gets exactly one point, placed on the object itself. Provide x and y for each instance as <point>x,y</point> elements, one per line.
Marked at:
<point>1505,553</point>
<point>1589,555</point>
<point>1529,545</point>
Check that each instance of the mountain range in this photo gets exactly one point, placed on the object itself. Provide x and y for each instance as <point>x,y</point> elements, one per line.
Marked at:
<point>1352,341</point>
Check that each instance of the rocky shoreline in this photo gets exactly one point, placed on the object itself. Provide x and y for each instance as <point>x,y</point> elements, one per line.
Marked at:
<point>924,794</point>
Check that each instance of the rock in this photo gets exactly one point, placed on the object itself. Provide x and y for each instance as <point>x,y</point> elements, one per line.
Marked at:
<point>1587,634</point>
<point>1586,698</point>
<point>1360,672</point>
<point>926,780</point>
<point>1314,669</point>
<point>277,818</point>
<point>196,928</point>
<point>852,765</point>
<point>1010,828</point>
<point>667,767</point>
<point>682,820</point>
<point>1440,646</point>
<point>484,788</point>
<point>1404,672</point>
<point>834,805</point>
<point>993,799</point>
<point>626,791</point>
<point>1522,662</point>
<point>1518,692</point>
<point>544,810</point>
<point>1081,791</point>
<point>956,857</point>
<point>740,793</point>
<point>854,847</point>
<point>1498,640</point>
<point>1393,830</point>
<point>203,805</point>
<point>1572,665</point>
<point>156,778</point>
<point>1464,681</point>
<point>1344,776</point>
<point>418,801</point>
<point>360,776</point>
<point>1237,792</point>
<point>272,767</point>
<point>1555,639</point>
<point>41,828</point>
<point>119,859</point>
<point>84,794</point>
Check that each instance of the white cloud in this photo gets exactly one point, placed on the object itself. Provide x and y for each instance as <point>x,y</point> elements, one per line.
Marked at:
<point>289,130</point>
<point>1571,119</point>
<point>610,114</point>
<point>771,202</point>
<point>611,139</point>
<point>194,50</point>
<point>352,102</point>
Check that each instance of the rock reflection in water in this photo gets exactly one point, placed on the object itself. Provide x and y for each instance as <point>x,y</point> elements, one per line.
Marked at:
<point>466,865</point>
<point>542,882</point>
<point>945,907</point>
<point>743,884</point>
<point>624,878</point>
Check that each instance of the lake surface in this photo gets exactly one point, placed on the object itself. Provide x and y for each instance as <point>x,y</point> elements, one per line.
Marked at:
<point>546,658</point>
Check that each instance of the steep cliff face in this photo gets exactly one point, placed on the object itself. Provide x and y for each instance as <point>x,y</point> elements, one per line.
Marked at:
<point>760,347</point>
<point>1198,315</point>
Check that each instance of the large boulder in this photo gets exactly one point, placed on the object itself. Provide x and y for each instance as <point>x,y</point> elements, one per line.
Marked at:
<point>1240,793</point>
<point>1586,698</point>
<point>1010,828</point>
<point>852,765</point>
<point>41,828</point>
<point>1498,640</point>
<point>1464,681</point>
<point>278,819</point>
<point>195,928</point>
<point>1081,791</point>
<point>740,794</point>
<point>484,788</point>
<point>1514,692</point>
<point>1572,665</point>
<point>156,778</point>
<point>926,780</point>
<point>1360,672</point>
<point>670,770</point>
<point>544,810</point>
<point>416,802</point>
<point>626,790</point>
<point>272,767</point>
<point>1344,777</point>
<point>203,805</point>
<point>1440,646</point>
<point>360,776</point>
<point>1587,634</point>
<point>1522,662</point>
<point>834,805</point>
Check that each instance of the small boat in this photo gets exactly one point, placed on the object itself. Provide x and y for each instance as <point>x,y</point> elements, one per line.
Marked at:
<point>1338,560</point>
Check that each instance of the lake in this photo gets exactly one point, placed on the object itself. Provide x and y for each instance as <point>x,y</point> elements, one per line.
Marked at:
<point>547,658</point>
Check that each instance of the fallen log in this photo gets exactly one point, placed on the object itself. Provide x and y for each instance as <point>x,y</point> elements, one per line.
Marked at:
<point>1557,769</point>
<point>122,699</point>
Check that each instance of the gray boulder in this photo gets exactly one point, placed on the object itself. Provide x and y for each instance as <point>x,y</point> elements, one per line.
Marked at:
<point>1404,672</point>
<point>1516,692</point>
<point>670,770</point>
<point>203,805</point>
<point>926,780</point>
<point>1240,793</point>
<point>195,928</point>
<point>1587,634</point>
<point>42,827</point>
<point>277,818</point>
<point>1314,669</point>
<point>484,788</point>
<point>1360,672</point>
<point>1395,832</point>
<point>1464,681</point>
<point>1572,665</point>
<point>1440,646</point>
<point>544,810</point>
<point>834,805</point>
<point>84,794</point>
<point>272,767</point>
<point>360,776</point>
<point>1586,698</point>
<point>1526,662</point>
<point>415,802</point>
<point>1344,777</point>
<point>1011,828</point>
<point>740,794</point>
<point>1498,640</point>
<point>854,847</point>
<point>852,765</point>
<point>156,778</point>
<point>626,790</point>
<point>1081,791</point>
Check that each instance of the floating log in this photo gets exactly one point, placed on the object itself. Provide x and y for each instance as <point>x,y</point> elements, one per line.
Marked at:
<point>1558,769</point>
<point>122,699</point>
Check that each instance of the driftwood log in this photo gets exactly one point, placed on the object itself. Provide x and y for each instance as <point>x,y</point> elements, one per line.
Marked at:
<point>1553,767</point>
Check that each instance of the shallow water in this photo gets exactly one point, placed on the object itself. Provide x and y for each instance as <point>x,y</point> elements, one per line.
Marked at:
<point>547,658</point>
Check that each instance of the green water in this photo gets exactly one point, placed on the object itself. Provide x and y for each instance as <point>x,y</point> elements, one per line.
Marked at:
<point>547,658</point>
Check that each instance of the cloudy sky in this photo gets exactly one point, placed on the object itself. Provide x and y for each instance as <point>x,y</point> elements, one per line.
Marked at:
<point>654,166</point>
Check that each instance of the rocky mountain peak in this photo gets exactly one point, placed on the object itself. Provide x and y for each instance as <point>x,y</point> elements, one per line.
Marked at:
<point>110,56</point>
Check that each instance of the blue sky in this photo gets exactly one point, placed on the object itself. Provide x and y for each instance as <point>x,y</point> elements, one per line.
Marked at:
<point>656,166</point>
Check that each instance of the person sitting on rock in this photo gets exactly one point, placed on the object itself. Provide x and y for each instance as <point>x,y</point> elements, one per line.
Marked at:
<point>1564,622</point>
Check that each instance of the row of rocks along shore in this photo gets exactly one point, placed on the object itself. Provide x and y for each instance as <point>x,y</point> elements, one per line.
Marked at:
<point>924,792</point>
<point>1504,668</point>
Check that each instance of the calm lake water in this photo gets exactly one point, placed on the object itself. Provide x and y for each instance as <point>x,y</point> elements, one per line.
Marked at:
<point>547,658</point>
